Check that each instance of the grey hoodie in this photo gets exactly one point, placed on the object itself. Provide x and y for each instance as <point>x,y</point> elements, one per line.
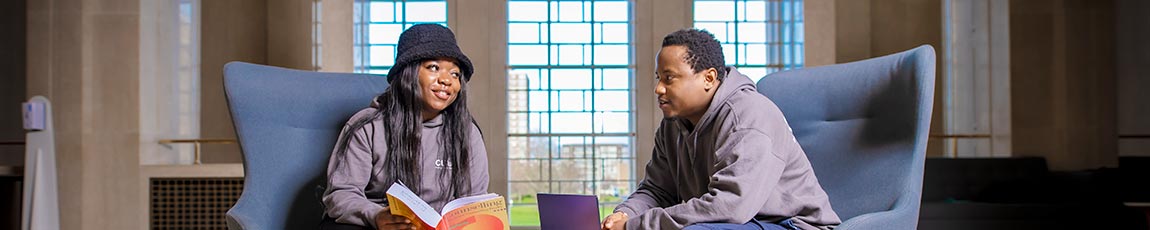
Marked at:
<point>740,162</point>
<point>356,192</point>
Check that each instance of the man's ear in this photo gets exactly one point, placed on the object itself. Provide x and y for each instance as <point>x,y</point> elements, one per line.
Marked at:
<point>710,78</point>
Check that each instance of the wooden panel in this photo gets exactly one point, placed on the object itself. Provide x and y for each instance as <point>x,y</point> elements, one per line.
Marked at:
<point>13,21</point>
<point>852,30</point>
<point>899,25</point>
<point>289,38</point>
<point>819,26</point>
<point>231,30</point>
<point>1090,76</point>
<point>1062,70</point>
<point>1133,65</point>
<point>336,54</point>
<point>1032,47</point>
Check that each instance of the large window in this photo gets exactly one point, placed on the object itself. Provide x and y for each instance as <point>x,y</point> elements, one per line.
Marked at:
<point>570,122</point>
<point>758,36</point>
<point>379,23</point>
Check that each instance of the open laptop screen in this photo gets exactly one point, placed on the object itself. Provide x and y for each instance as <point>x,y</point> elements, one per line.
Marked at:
<point>568,211</point>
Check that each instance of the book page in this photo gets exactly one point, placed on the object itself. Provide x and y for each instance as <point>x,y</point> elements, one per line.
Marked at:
<point>467,200</point>
<point>486,214</point>
<point>403,202</point>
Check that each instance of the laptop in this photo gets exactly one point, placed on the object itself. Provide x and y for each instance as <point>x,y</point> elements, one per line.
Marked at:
<point>568,212</point>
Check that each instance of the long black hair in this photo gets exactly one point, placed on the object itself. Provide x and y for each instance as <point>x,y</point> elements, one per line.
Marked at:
<point>401,110</point>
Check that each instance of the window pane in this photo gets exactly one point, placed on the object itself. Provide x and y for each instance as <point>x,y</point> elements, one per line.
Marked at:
<point>571,101</point>
<point>527,11</point>
<point>756,54</point>
<point>611,11</point>
<point>526,55</point>
<point>519,144</point>
<point>571,169</point>
<point>571,32</point>
<point>714,10</point>
<point>384,33</point>
<point>571,79</point>
<point>755,11</point>
<point>527,169</point>
<point>620,147</point>
<point>523,33</point>
<point>568,11</point>
<point>517,80</point>
<point>382,55</point>
<point>614,169</point>
<point>616,79</point>
<point>613,101</point>
<point>613,122</point>
<point>426,12</point>
<point>572,122</point>
<point>612,54</point>
<point>517,123</point>
<point>718,29</point>
<point>539,122</point>
<point>751,32</point>
<point>570,54</point>
<point>730,54</point>
<point>538,101</point>
<point>615,192</point>
<point>382,11</point>
<point>615,33</point>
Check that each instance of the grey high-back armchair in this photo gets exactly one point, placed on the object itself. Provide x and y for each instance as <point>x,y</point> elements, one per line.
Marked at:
<point>864,127</point>
<point>287,122</point>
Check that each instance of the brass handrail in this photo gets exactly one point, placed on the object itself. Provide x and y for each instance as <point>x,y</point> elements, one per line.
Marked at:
<point>954,139</point>
<point>960,136</point>
<point>197,143</point>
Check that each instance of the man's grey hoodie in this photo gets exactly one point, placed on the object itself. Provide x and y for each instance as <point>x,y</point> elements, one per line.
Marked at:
<point>740,162</point>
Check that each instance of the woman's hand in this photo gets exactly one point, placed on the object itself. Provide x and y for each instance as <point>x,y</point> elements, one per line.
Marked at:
<point>617,220</point>
<point>385,220</point>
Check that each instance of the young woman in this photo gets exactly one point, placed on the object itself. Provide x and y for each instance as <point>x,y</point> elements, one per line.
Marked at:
<point>419,132</point>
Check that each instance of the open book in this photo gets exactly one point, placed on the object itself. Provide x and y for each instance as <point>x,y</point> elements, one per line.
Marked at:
<point>481,212</point>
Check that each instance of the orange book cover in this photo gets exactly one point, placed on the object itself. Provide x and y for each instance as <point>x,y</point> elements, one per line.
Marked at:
<point>481,212</point>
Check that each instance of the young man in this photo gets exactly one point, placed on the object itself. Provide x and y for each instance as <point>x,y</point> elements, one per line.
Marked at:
<point>724,156</point>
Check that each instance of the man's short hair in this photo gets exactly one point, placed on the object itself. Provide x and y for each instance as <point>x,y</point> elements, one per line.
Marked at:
<point>703,50</point>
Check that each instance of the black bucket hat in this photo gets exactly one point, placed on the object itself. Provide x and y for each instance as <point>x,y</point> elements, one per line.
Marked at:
<point>428,41</point>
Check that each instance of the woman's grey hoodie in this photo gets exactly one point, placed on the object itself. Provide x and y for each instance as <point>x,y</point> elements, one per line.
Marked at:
<point>356,190</point>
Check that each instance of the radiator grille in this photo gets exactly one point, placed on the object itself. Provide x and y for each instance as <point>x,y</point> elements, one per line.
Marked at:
<point>192,203</point>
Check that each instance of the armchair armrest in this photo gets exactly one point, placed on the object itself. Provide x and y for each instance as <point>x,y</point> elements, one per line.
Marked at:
<point>900,218</point>
<point>240,221</point>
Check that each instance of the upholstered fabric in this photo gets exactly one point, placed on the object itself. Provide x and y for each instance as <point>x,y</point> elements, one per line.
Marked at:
<point>287,122</point>
<point>864,127</point>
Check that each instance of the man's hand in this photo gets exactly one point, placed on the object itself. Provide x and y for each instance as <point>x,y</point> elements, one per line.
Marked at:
<point>616,221</point>
<point>385,220</point>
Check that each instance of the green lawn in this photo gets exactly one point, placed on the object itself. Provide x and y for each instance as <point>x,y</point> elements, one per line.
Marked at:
<point>528,215</point>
